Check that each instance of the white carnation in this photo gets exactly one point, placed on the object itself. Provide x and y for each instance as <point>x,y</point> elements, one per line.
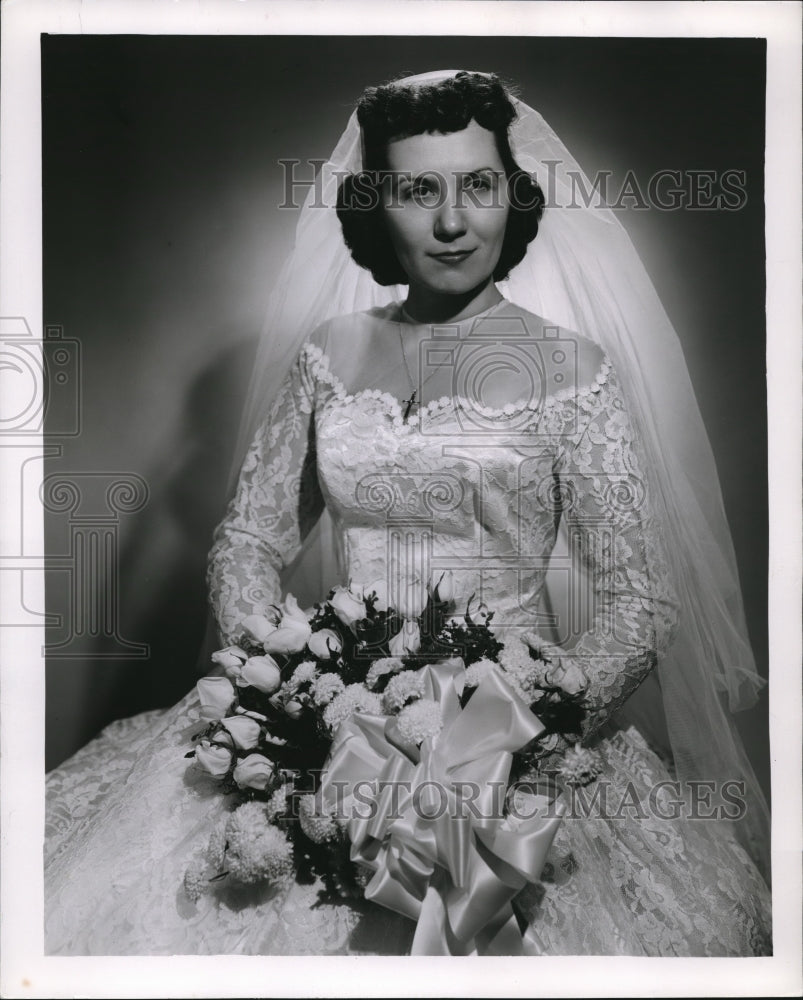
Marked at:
<point>277,803</point>
<point>402,688</point>
<point>304,673</point>
<point>216,849</point>
<point>385,665</point>
<point>580,766</point>
<point>256,850</point>
<point>355,698</point>
<point>420,721</point>
<point>316,823</point>
<point>478,671</point>
<point>521,671</point>
<point>196,878</point>
<point>325,687</point>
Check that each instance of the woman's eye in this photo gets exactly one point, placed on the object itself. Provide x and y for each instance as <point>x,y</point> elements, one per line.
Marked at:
<point>422,194</point>
<point>478,182</point>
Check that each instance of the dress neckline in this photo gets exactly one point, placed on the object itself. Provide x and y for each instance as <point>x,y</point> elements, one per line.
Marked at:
<point>321,369</point>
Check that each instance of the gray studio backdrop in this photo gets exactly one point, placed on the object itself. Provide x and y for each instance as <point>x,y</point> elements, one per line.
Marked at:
<point>162,236</point>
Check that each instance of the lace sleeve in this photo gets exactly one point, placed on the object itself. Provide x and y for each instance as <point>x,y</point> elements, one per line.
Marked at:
<point>609,518</point>
<point>276,503</point>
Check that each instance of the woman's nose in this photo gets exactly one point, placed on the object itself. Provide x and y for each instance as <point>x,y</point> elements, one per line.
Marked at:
<point>449,222</point>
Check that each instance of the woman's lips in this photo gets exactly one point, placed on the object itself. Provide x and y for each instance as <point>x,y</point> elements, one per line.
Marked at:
<point>452,256</point>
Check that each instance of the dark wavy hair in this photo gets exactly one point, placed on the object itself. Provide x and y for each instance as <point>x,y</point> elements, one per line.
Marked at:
<point>397,112</point>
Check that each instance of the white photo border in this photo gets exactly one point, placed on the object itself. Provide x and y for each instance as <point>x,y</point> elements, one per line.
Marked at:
<point>26,972</point>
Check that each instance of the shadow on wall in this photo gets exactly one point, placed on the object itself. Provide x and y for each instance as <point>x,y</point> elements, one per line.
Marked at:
<point>151,593</point>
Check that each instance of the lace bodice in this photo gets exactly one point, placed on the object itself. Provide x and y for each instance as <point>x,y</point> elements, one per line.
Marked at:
<point>466,487</point>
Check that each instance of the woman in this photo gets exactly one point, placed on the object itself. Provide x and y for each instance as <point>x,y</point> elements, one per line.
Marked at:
<point>456,431</point>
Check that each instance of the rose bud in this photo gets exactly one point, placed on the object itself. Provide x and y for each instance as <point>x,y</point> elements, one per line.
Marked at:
<point>476,610</point>
<point>261,672</point>
<point>254,771</point>
<point>290,637</point>
<point>407,640</point>
<point>348,607</point>
<point>324,643</point>
<point>216,695</point>
<point>231,659</point>
<point>292,612</point>
<point>293,708</point>
<point>222,737</point>
<point>215,760</point>
<point>258,627</point>
<point>566,675</point>
<point>251,714</point>
<point>444,587</point>
<point>378,587</point>
<point>244,731</point>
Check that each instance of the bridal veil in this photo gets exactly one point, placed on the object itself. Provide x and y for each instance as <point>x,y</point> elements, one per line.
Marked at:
<point>582,273</point>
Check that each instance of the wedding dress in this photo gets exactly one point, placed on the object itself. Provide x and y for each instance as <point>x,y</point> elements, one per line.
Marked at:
<point>479,490</point>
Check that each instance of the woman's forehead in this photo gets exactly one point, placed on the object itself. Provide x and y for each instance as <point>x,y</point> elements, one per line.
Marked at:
<point>472,148</point>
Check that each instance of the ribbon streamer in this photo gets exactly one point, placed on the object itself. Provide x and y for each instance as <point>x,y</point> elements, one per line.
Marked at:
<point>451,861</point>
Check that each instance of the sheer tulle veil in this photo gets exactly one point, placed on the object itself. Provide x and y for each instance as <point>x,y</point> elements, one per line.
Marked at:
<point>583,273</point>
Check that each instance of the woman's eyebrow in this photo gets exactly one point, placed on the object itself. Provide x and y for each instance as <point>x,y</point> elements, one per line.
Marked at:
<point>411,178</point>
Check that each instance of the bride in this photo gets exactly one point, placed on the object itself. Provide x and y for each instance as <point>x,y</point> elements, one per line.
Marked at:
<point>485,385</point>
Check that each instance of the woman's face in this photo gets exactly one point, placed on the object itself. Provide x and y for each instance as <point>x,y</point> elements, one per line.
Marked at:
<point>448,209</point>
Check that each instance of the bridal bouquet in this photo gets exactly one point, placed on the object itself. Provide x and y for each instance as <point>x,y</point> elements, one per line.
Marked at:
<point>375,746</point>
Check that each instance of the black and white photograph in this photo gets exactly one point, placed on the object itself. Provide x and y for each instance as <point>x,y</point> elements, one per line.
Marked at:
<point>398,482</point>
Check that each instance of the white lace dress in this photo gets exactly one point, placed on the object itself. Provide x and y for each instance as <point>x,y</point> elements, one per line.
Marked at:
<point>482,492</point>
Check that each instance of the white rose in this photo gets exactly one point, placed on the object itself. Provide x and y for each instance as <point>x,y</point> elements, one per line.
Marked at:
<point>261,672</point>
<point>407,640</point>
<point>568,676</point>
<point>290,637</point>
<point>254,771</point>
<point>443,586</point>
<point>324,643</point>
<point>258,627</point>
<point>231,659</point>
<point>244,731</point>
<point>213,759</point>
<point>290,610</point>
<point>558,669</point>
<point>348,607</point>
<point>216,695</point>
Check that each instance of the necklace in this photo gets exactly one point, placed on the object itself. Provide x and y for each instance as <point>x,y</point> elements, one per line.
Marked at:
<point>413,401</point>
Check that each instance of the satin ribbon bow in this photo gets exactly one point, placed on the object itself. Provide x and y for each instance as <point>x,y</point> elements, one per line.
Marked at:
<point>430,825</point>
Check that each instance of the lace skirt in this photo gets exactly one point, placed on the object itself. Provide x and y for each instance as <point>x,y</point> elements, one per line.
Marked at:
<point>126,814</point>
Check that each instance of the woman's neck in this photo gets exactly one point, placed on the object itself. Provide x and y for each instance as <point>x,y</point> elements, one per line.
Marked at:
<point>425,306</point>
